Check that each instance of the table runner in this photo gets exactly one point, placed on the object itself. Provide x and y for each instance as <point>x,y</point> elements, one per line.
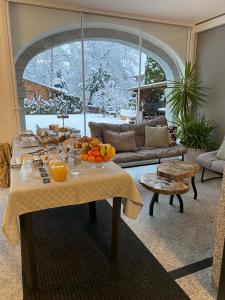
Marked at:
<point>90,185</point>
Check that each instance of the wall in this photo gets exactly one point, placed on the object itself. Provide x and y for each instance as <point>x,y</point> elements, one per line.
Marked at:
<point>167,44</point>
<point>8,121</point>
<point>211,69</point>
<point>30,24</point>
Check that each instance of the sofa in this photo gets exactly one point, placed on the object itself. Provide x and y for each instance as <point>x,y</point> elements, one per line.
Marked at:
<point>211,161</point>
<point>143,155</point>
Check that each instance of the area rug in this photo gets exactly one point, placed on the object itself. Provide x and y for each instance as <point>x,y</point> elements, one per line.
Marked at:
<point>73,260</point>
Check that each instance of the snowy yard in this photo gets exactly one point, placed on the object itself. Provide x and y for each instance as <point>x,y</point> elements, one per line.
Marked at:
<point>76,121</point>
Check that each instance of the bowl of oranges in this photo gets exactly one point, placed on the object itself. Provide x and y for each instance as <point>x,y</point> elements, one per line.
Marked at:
<point>96,153</point>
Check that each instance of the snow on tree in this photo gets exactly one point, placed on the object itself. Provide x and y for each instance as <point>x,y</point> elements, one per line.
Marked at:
<point>118,61</point>
<point>154,73</point>
<point>110,69</point>
<point>60,101</point>
<point>97,80</point>
<point>59,82</point>
<point>53,106</point>
<point>59,96</point>
<point>43,67</point>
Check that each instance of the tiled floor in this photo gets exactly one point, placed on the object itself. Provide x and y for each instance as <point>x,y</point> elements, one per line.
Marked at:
<point>179,239</point>
<point>199,285</point>
<point>175,239</point>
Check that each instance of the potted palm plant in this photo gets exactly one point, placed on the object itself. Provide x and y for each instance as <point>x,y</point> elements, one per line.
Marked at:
<point>196,134</point>
<point>185,97</point>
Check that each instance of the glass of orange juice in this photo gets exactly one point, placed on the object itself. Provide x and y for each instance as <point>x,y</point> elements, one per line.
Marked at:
<point>59,172</point>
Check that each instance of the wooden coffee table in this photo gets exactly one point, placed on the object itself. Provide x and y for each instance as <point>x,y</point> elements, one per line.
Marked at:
<point>162,185</point>
<point>179,170</point>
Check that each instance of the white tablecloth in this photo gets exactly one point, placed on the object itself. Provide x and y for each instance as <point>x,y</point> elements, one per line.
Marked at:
<point>89,185</point>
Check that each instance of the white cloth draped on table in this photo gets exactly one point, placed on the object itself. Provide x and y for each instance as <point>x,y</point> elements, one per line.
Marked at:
<point>90,185</point>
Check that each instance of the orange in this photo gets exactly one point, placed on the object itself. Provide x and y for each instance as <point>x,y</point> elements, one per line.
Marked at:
<point>96,148</point>
<point>84,157</point>
<point>90,152</point>
<point>98,158</point>
<point>96,153</point>
<point>91,158</point>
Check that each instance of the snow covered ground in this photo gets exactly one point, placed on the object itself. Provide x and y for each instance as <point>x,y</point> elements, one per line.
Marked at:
<point>76,121</point>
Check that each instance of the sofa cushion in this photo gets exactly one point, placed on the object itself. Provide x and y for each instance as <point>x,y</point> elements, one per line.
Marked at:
<point>124,157</point>
<point>156,136</point>
<point>140,129</point>
<point>172,133</point>
<point>98,128</point>
<point>147,153</point>
<point>221,152</point>
<point>122,141</point>
<point>170,151</point>
<point>156,121</point>
<point>209,161</point>
<point>218,166</point>
<point>205,159</point>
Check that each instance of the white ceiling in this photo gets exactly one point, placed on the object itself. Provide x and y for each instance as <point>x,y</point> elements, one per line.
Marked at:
<point>179,11</point>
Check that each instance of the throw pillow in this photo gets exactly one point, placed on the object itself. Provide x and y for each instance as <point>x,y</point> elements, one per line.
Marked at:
<point>156,136</point>
<point>122,141</point>
<point>172,134</point>
<point>221,152</point>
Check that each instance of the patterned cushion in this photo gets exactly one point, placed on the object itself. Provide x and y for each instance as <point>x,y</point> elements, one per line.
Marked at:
<point>172,134</point>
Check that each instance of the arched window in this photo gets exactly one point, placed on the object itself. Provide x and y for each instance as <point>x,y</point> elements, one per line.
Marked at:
<point>109,84</point>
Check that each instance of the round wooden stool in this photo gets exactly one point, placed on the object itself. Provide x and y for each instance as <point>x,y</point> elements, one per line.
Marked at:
<point>162,185</point>
<point>179,170</point>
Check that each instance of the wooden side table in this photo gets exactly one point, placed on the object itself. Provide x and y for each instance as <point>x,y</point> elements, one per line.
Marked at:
<point>162,185</point>
<point>179,170</point>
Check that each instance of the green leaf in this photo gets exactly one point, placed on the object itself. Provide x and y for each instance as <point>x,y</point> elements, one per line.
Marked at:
<point>186,93</point>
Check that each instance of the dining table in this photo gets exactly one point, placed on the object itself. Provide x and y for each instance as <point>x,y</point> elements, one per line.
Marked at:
<point>87,187</point>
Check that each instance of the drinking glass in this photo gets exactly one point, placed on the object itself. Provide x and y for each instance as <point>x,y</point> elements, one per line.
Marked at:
<point>74,162</point>
<point>59,172</point>
<point>26,172</point>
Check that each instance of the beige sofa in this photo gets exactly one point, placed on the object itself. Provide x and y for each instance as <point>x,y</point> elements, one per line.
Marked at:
<point>144,155</point>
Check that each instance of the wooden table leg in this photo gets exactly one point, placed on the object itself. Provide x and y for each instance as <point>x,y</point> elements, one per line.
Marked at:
<point>28,253</point>
<point>115,227</point>
<point>194,187</point>
<point>155,198</point>
<point>92,211</point>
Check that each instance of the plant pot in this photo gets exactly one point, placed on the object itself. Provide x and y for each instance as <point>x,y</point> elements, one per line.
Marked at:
<point>192,154</point>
